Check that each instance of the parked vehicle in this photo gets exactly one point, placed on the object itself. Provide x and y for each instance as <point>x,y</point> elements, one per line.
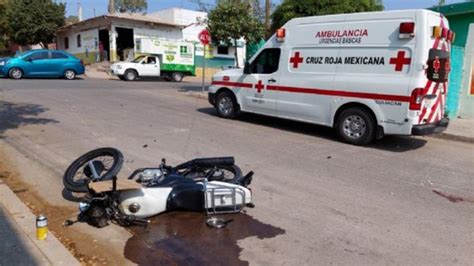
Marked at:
<point>365,74</point>
<point>150,191</point>
<point>42,63</point>
<point>148,66</point>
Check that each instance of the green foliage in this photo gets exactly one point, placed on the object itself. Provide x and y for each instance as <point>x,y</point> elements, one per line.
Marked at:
<point>34,21</point>
<point>132,6</point>
<point>228,22</point>
<point>302,8</point>
<point>231,20</point>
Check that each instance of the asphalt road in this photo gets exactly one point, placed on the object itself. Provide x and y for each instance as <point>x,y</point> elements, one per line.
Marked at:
<point>402,200</point>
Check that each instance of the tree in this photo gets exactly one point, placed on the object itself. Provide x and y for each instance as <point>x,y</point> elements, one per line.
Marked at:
<point>228,22</point>
<point>132,6</point>
<point>34,21</point>
<point>301,8</point>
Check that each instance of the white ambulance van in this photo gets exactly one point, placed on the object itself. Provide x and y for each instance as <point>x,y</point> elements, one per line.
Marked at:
<point>365,74</point>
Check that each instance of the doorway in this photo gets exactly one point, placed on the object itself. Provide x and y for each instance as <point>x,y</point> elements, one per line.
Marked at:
<point>104,45</point>
<point>125,43</point>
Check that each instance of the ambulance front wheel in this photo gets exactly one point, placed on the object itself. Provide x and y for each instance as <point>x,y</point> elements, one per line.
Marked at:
<point>226,105</point>
<point>356,126</point>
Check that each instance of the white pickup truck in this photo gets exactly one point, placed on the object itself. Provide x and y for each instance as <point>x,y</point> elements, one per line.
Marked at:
<point>150,66</point>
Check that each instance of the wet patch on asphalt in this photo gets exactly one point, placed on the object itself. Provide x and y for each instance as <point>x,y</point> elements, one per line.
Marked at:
<point>183,238</point>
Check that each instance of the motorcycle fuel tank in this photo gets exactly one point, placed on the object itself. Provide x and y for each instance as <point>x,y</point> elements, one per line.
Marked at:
<point>144,202</point>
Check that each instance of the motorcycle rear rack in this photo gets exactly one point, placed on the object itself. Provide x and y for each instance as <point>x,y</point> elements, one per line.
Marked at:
<point>218,193</point>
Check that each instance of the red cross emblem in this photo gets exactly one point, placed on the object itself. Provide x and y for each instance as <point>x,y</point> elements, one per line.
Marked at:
<point>400,61</point>
<point>259,86</point>
<point>436,64</point>
<point>447,66</point>
<point>296,60</point>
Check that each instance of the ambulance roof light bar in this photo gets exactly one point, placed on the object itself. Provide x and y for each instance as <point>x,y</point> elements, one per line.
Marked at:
<point>280,34</point>
<point>407,30</point>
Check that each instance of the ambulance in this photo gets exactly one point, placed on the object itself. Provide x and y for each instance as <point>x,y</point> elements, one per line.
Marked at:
<point>366,75</point>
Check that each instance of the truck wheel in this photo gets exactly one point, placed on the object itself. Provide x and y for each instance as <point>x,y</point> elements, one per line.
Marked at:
<point>356,126</point>
<point>177,76</point>
<point>130,75</point>
<point>15,73</point>
<point>226,106</point>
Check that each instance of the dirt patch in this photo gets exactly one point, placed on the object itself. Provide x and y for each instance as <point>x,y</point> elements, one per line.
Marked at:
<point>86,249</point>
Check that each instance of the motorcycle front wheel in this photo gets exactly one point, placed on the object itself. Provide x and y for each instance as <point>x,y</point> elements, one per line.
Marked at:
<point>106,163</point>
<point>229,174</point>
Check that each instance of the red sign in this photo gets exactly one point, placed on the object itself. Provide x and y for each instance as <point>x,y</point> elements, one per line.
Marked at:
<point>204,37</point>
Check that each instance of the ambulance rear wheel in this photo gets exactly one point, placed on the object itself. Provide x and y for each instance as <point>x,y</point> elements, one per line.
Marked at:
<point>356,126</point>
<point>226,105</point>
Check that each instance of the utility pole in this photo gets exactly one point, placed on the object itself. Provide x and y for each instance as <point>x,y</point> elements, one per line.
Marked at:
<point>111,7</point>
<point>268,5</point>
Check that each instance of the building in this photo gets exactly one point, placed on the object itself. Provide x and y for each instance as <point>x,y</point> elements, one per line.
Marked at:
<point>216,57</point>
<point>460,100</point>
<point>114,37</point>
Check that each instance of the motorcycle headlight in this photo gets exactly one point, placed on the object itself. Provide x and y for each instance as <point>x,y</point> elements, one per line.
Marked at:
<point>83,206</point>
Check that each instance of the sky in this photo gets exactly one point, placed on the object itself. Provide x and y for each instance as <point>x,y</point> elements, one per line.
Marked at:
<point>100,6</point>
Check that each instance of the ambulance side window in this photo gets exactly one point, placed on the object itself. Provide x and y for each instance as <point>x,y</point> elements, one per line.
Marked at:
<point>266,62</point>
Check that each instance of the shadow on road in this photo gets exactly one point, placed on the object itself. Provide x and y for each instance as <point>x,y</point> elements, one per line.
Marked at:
<point>15,115</point>
<point>192,88</point>
<point>389,143</point>
<point>13,250</point>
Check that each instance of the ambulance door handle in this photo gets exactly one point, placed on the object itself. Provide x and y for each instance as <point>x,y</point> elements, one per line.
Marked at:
<point>271,81</point>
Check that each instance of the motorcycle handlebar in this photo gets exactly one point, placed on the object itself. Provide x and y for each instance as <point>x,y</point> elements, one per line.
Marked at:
<point>208,162</point>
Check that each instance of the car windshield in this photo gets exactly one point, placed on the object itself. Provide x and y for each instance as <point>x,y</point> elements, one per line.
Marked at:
<point>18,54</point>
<point>138,59</point>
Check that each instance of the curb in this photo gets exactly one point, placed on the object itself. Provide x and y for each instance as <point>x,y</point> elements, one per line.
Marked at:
<point>51,248</point>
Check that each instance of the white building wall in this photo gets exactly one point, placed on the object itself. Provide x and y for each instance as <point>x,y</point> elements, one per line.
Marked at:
<point>466,106</point>
<point>190,32</point>
<point>89,41</point>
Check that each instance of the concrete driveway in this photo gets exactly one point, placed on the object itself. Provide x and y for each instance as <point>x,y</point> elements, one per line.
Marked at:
<point>402,200</point>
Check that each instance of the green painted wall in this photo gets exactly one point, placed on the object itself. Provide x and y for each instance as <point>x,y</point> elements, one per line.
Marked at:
<point>460,25</point>
<point>215,62</point>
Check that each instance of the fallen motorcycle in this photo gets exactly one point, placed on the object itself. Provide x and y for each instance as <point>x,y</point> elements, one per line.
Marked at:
<point>211,185</point>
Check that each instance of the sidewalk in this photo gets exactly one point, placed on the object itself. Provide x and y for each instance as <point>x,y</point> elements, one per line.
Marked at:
<point>18,245</point>
<point>459,129</point>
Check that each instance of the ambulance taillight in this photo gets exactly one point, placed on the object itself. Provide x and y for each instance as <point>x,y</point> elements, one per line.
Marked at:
<point>407,30</point>
<point>416,99</point>
<point>280,34</point>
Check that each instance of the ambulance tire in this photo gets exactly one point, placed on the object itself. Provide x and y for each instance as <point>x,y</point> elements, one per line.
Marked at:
<point>226,105</point>
<point>356,126</point>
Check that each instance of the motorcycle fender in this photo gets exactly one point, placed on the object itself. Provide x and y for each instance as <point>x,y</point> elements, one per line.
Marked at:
<point>151,201</point>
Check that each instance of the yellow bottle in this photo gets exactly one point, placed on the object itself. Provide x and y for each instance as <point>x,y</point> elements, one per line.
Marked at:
<point>41,227</point>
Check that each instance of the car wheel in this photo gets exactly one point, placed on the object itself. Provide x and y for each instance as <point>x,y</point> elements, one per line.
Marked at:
<point>130,75</point>
<point>356,126</point>
<point>177,77</point>
<point>69,74</point>
<point>15,73</point>
<point>226,105</point>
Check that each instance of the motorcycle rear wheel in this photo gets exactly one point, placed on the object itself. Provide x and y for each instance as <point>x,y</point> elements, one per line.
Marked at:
<point>107,163</point>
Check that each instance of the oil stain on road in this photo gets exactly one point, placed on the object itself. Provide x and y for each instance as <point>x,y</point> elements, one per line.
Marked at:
<point>183,238</point>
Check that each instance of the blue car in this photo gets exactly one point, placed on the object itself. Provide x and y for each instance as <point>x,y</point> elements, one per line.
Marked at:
<point>42,63</point>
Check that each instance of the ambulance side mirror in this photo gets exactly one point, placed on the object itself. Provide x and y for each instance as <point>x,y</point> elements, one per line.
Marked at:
<point>247,68</point>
